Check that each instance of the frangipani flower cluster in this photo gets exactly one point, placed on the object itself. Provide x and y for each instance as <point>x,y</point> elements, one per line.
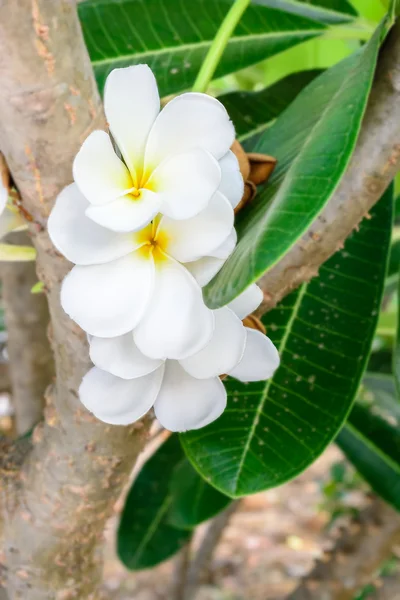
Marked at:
<point>148,222</point>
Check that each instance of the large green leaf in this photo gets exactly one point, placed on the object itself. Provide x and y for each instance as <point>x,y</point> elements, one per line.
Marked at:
<point>193,499</point>
<point>145,538</point>
<point>173,36</point>
<point>313,141</point>
<point>371,438</point>
<point>253,112</point>
<point>396,349</point>
<point>325,11</point>
<point>273,430</point>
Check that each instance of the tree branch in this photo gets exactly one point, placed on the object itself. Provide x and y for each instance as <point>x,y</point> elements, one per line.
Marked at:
<point>374,164</point>
<point>31,364</point>
<point>48,105</point>
<point>358,552</point>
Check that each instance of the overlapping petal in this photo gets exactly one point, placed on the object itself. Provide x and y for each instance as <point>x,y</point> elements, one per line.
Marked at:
<point>187,403</point>
<point>223,351</point>
<point>232,184</point>
<point>131,104</point>
<point>189,121</point>
<point>260,358</point>
<point>119,401</point>
<point>108,300</point>
<point>199,236</point>
<point>100,175</point>
<point>121,357</point>
<point>186,182</point>
<point>247,301</point>
<point>78,238</point>
<point>127,214</point>
<point>177,323</point>
<point>204,269</point>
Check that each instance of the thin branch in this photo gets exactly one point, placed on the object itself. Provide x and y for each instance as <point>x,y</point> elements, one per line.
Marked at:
<point>359,551</point>
<point>201,563</point>
<point>31,363</point>
<point>49,103</point>
<point>374,164</point>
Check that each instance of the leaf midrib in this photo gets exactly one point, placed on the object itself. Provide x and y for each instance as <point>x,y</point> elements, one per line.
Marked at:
<point>152,527</point>
<point>205,43</point>
<point>264,397</point>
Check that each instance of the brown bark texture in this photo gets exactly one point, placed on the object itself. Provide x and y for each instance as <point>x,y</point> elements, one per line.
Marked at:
<point>355,558</point>
<point>49,103</point>
<point>374,164</point>
<point>31,364</point>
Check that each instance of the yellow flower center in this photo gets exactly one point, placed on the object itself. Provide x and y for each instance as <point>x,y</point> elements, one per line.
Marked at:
<point>154,242</point>
<point>139,183</point>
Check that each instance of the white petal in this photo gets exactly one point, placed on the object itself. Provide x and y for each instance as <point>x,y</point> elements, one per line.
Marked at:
<point>131,104</point>
<point>186,403</point>
<point>186,182</point>
<point>260,359</point>
<point>200,235</point>
<point>204,269</point>
<point>223,351</point>
<point>99,173</point>
<point>121,357</point>
<point>247,301</point>
<point>232,184</point>
<point>110,299</point>
<point>10,220</point>
<point>126,214</point>
<point>78,238</point>
<point>177,323</point>
<point>189,121</point>
<point>119,401</point>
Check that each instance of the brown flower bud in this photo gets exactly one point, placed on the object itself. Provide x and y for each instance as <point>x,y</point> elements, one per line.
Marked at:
<point>261,167</point>
<point>241,155</point>
<point>254,322</point>
<point>250,191</point>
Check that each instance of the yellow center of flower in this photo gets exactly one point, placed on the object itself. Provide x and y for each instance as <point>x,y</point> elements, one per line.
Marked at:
<point>139,183</point>
<point>153,242</point>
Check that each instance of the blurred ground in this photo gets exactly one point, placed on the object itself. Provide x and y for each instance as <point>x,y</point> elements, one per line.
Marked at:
<point>270,543</point>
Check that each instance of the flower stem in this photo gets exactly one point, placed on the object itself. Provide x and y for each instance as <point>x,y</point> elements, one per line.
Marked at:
<point>218,45</point>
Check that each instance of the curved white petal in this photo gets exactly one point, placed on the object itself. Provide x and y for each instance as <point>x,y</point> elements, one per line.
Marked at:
<point>131,104</point>
<point>126,214</point>
<point>119,401</point>
<point>99,173</point>
<point>260,358</point>
<point>177,323</point>
<point>187,403</point>
<point>186,182</point>
<point>78,238</point>
<point>121,357</point>
<point>204,269</point>
<point>189,121</point>
<point>200,235</point>
<point>109,299</point>
<point>232,184</point>
<point>247,301</point>
<point>227,247</point>
<point>223,351</point>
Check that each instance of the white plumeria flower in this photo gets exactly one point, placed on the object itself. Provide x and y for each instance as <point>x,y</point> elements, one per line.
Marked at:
<point>186,394</point>
<point>139,280</point>
<point>172,162</point>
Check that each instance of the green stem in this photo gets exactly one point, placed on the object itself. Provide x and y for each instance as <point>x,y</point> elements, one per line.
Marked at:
<point>218,45</point>
<point>340,32</point>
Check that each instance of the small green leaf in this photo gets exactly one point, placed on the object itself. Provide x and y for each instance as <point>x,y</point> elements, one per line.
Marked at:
<point>37,288</point>
<point>144,537</point>
<point>313,141</point>
<point>271,431</point>
<point>194,500</point>
<point>9,252</point>
<point>173,37</point>
<point>371,438</point>
<point>253,112</point>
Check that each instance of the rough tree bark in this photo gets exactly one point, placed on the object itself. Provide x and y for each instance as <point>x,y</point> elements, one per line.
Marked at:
<point>31,364</point>
<point>69,483</point>
<point>375,162</point>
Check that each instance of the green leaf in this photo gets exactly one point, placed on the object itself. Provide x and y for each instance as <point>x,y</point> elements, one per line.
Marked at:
<point>253,112</point>
<point>194,500</point>
<point>38,288</point>
<point>324,11</point>
<point>13,253</point>
<point>371,438</point>
<point>271,431</point>
<point>313,141</point>
<point>173,37</point>
<point>396,349</point>
<point>144,537</point>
